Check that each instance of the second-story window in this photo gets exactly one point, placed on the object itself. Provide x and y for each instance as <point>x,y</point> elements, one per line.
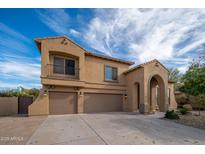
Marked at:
<point>69,67</point>
<point>64,66</point>
<point>58,66</point>
<point>110,73</point>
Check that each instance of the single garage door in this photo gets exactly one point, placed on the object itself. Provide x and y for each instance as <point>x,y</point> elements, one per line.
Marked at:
<point>62,103</point>
<point>102,103</point>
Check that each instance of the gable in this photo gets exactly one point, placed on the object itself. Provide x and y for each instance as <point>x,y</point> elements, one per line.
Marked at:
<point>153,62</point>
<point>63,40</point>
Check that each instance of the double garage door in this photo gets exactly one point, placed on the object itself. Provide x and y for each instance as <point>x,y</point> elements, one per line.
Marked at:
<point>102,103</point>
<point>66,103</point>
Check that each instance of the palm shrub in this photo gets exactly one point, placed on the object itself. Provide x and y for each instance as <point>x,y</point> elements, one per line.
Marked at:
<point>183,111</point>
<point>171,115</point>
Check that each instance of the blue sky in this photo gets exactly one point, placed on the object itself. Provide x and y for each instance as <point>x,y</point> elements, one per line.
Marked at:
<point>173,36</point>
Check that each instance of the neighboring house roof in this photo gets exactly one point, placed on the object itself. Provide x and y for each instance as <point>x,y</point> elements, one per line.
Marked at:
<point>38,43</point>
<point>144,64</point>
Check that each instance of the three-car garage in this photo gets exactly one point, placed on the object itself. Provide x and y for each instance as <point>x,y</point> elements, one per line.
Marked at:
<point>67,103</point>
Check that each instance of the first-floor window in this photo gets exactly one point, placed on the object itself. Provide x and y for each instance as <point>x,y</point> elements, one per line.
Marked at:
<point>64,66</point>
<point>110,73</point>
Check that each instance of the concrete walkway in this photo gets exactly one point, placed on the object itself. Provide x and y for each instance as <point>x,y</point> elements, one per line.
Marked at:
<point>114,128</point>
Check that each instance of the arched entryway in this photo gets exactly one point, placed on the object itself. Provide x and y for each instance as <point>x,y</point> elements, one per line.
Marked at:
<point>156,94</point>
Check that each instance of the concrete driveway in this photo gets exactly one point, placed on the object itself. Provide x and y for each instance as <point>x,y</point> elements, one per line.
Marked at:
<point>18,130</point>
<point>109,128</point>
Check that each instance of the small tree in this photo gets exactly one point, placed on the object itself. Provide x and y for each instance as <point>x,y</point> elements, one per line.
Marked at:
<point>175,75</point>
<point>20,92</point>
<point>194,80</point>
<point>201,102</point>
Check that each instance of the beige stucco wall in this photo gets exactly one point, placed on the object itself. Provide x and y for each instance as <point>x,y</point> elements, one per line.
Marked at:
<point>59,46</point>
<point>89,77</point>
<point>41,105</point>
<point>132,79</point>
<point>173,103</point>
<point>151,70</point>
<point>94,71</point>
<point>8,106</point>
<point>142,76</point>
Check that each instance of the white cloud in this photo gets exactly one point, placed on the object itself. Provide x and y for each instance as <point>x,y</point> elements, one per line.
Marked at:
<point>191,46</point>
<point>168,35</point>
<point>145,34</point>
<point>20,70</point>
<point>17,67</point>
<point>74,32</point>
<point>56,19</point>
<point>183,68</point>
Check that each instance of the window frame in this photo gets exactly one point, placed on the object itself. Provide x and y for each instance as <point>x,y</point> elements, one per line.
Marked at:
<point>110,80</point>
<point>58,66</point>
<point>64,67</point>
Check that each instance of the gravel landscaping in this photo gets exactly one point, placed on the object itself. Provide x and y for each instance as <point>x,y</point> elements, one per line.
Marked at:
<point>192,119</point>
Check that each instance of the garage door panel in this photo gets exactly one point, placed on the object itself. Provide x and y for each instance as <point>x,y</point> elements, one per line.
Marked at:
<point>102,103</point>
<point>62,103</point>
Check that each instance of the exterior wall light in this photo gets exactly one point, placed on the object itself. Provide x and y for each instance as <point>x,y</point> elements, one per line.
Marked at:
<point>125,95</point>
<point>45,92</point>
<point>80,93</point>
<point>51,87</point>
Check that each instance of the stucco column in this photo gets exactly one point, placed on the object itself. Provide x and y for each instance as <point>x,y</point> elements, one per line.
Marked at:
<point>153,98</point>
<point>80,102</point>
<point>173,103</point>
<point>125,103</point>
<point>144,106</point>
<point>166,102</point>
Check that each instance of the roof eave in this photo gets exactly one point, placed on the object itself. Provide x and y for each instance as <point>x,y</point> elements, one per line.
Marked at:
<point>38,43</point>
<point>109,58</point>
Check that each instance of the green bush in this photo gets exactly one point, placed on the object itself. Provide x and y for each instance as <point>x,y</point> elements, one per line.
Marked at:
<point>183,111</point>
<point>171,115</point>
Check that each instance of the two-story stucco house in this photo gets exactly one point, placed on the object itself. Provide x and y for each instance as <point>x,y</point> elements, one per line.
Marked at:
<point>77,81</point>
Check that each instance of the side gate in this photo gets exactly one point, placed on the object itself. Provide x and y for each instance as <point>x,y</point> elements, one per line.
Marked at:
<point>23,103</point>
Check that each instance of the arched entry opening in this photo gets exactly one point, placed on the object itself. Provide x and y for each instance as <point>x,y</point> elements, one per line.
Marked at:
<point>157,94</point>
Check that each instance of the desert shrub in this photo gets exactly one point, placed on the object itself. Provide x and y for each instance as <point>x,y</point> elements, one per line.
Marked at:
<point>171,115</point>
<point>183,111</point>
<point>181,99</point>
<point>20,91</point>
<point>188,107</point>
